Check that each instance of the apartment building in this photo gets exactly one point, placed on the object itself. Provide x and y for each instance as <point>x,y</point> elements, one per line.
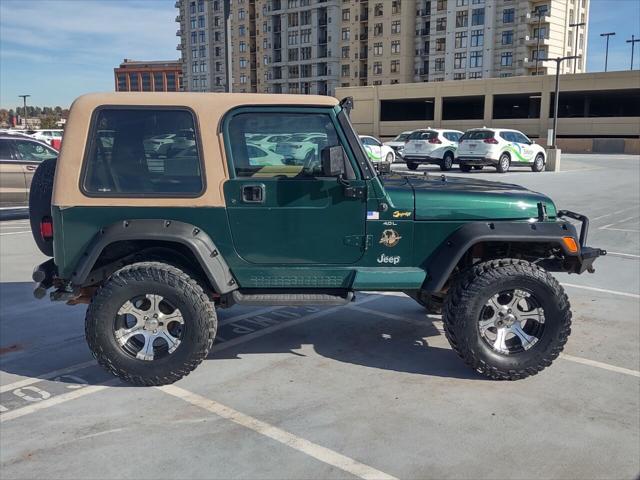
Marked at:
<point>204,33</point>
<point>314,46</point>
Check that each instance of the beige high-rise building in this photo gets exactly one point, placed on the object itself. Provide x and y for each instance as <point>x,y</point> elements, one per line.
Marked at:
<point>314,46</point>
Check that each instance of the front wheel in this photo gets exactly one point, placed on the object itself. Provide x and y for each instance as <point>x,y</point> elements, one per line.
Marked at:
<point>412,166</point>
<point>508,319</point>
<point>538,163</point>
<point>150,324</point>
<point>465,168</point>
<point>447,162</point>
<point>389,158</point>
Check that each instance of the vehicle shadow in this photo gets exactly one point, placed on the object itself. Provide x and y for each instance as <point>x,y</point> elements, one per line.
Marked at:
<point>37,337</point>
<point>414,344</point>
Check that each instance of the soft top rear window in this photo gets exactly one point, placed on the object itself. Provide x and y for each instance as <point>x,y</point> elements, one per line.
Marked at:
<point>477,135</point>
<point>153,152</point>
<point>423,135</point>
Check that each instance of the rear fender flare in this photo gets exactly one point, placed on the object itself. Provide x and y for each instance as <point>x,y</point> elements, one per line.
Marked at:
<point>444,259</point>
<point>197,241</point>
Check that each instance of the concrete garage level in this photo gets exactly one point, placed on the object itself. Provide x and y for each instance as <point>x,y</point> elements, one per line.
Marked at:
<point>371,390</point>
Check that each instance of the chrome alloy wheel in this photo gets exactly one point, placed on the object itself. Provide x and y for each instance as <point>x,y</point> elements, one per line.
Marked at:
<point>512,321</point>
<point>148,327</point>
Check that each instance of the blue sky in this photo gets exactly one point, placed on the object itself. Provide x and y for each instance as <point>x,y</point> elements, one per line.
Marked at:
<point>56,50</point>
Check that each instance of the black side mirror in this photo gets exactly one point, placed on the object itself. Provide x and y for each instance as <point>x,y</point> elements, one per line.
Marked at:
<point>333,161</point>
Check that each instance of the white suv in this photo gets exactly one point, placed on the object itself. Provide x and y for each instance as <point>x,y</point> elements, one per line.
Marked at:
<point>432,145</point>
<point>500,148</point>
<point>376,151</point>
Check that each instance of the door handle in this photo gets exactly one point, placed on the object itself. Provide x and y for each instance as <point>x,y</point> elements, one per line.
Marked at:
<point>31,168</point>
<point>253,193</point>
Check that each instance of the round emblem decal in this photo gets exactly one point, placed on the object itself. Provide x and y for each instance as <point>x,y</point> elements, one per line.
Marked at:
<point>390,238</point>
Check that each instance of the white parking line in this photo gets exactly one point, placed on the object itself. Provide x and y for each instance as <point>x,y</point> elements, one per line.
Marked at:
<point>602,290</point>
<point>604,366</point>
<point>15,233</point>
<point>47,376</point>
<point>618,254</point>
<point>324,454</point>
<point>64,371</point>
<point>57,400</point>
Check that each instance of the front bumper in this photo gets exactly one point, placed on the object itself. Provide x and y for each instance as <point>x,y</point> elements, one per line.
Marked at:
<point>587,255</point>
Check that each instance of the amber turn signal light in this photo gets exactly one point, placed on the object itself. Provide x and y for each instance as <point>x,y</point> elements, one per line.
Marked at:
<point>571,244</point>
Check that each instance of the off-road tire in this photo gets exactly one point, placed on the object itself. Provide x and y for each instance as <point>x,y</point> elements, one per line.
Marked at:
<point>412,166</point>
<point>447,162</point>
<point>538,163</point>
<point>40,202</point>
<point>504,162</point>
<point>139,279</point>
<point>466,299</point>
<point>465,167</point>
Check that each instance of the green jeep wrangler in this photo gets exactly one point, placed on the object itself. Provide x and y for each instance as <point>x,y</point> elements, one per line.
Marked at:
<point>163,207</point>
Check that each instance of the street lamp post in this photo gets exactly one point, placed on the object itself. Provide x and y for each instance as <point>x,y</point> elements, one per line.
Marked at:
<point>24,111</point>
<point>558,61</point>
<point>606,55</point>
<point>633,42</point>
<point>575,46</point>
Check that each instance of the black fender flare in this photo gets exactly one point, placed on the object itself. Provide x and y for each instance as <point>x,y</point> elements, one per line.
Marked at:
<point>444,259</point>
<point>192,237</point>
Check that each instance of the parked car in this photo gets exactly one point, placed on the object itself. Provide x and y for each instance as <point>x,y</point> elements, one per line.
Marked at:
<point>154,254</point>
<point>376,151</point>
<point>300,149</point>
<point>50,137</point>
<point>19,158</point>
<point>398,143</point>
<point>432,145</point>
<point>268,142</point>
<point>500,148</point>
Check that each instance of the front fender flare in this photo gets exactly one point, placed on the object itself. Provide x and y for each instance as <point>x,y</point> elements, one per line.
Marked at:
<point>444,259</point>
<point>197,241</point>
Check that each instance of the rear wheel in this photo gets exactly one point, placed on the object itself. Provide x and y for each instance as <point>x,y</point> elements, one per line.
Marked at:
<point>447,161</point>
<point>538,163</point>
<point>504,163</point>
<point>412,166</point>
<point>508,319</point>
<point>40,203</point>
<point>465,168</point>
<point>150,324</point>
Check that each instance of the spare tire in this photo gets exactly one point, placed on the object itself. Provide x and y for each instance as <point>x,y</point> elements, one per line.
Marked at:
<point>40,203</point>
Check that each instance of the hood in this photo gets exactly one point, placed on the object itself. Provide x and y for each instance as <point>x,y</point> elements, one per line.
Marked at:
<point>467,199</point>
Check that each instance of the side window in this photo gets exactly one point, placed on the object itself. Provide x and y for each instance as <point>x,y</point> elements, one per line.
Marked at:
<point>33,151</point>
<point>521,138</point>
<point>5,150</point>
<point>265,144</point>
<point>507,136</point>
<point>146,152</point>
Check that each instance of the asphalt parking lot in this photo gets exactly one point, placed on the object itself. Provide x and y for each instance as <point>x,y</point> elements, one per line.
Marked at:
<point>371,390</point>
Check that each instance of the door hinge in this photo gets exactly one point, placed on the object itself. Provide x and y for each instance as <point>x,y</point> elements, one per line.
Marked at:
<point>361,241</point>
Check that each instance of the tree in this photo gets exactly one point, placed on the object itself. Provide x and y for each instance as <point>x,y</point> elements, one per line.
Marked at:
<point>48,122</point>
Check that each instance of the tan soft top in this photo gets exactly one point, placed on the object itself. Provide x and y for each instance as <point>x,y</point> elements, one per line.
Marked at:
<point>209,109</point>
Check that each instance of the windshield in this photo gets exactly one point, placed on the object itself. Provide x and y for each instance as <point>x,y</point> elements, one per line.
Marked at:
<point>401,138</point>
<point>423,135</point>
<point>477,135</point>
